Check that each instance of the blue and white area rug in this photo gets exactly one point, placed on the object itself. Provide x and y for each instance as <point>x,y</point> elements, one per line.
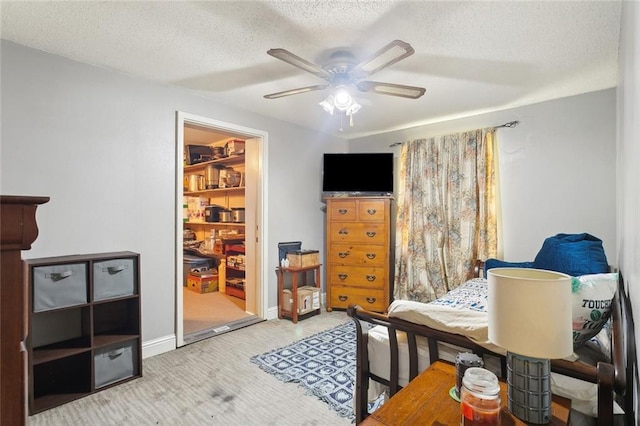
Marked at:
<point>324,364</point>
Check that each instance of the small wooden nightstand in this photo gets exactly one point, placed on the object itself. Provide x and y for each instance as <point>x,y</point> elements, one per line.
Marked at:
<point>295,274</point>
<point>426,401</point>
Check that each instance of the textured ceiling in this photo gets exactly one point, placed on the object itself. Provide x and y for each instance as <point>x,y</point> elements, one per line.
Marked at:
<point>471,56</point>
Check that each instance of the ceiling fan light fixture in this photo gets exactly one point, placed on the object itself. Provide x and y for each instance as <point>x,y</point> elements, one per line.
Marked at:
<point>328,104</point>
<point>355,107</point>
<point>342,100</point>
<point>344,75</point>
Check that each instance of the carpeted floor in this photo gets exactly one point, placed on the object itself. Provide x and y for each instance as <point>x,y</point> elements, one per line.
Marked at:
<point>210,382</point>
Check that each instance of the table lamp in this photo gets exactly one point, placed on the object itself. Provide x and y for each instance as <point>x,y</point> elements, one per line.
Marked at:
<point>530,316</point>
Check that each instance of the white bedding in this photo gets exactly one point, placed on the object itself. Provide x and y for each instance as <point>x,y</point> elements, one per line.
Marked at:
<point>380,358</point>
<point>462,311</point>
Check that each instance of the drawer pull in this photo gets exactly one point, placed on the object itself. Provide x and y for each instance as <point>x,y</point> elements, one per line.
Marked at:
<point>57,276</point>
<point>343,231</point>
<point>371,211</point>
<point>371,278</point>
<point>342,276</point>
<point>112,270</point>
<point>343,254</point>
<point>371,255</point>
<point>342,211</point>
<point>371,234</point>
<point>371,299</point>
<point>115,353</point>
<point>343,298</point>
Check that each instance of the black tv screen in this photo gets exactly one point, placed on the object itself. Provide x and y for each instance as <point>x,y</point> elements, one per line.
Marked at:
<point>358,173</point>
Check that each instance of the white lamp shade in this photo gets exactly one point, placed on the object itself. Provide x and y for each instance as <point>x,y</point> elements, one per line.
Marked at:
<point>530,312</point>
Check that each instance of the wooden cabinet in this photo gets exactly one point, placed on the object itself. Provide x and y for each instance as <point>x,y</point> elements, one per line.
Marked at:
<point>358,244</point>
<point>84,325</point>
<point>18,229</point>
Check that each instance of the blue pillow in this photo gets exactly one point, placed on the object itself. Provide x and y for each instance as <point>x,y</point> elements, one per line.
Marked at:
<point>497,263</point>
<point>572,254</point>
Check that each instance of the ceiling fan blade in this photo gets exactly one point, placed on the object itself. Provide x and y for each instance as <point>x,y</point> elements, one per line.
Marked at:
<point>401,90</point>
<point>388,55</point>
<point>296,91</point>
<point>297,61</point>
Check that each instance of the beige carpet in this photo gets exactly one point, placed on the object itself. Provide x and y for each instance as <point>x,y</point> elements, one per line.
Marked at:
<point>210,310</point>
<point>210,382</point>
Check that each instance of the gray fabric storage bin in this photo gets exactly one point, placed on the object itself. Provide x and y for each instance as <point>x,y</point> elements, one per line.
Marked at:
<point>59,286</point>
<point>113,278</point>
<point>114,363</point>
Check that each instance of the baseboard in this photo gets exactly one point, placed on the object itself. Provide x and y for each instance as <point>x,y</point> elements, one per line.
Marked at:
<point>168,343</point>
<point>158,346</point>
<point>271,314</point>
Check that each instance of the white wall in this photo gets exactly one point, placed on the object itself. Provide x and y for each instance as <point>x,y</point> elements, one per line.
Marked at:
<point>102,145</point>
<point>628,160</point>
<point>557,168</point>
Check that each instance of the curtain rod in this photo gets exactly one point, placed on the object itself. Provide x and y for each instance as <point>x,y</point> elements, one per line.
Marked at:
<point>510,125</point>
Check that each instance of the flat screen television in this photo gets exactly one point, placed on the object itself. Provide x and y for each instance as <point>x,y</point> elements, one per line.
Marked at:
<point>358,173</point>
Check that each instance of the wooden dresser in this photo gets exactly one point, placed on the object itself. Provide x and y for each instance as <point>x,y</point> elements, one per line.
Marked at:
<point>18,229</point>
<point>358,244</point>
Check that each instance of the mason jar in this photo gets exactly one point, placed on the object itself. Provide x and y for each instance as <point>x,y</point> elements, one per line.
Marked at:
<point>480,398</point>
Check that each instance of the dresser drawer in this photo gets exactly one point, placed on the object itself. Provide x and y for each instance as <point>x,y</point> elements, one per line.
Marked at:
<point>59,286</point>
<point>358,254</point>
<point>366,233</point>
<point>342,210</point>
<point>357,276</point>
<point>370,299</point>
<point>372,211</point>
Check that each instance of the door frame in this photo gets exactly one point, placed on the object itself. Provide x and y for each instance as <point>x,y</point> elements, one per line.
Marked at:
<point>259,247</point>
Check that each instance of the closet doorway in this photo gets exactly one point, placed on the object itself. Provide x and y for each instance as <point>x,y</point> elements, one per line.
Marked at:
<point>230,249</point>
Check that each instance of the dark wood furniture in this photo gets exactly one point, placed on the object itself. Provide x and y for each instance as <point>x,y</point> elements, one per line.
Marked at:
<point>612,378</point>
<point>358,247</point>
<point>18,229</point>
<point>234,271</point>
<point>299,277</point>
<point>426,401</point>
<point>84,325</point>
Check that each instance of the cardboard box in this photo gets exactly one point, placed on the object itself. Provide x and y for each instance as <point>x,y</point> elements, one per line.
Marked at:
<point>308,299</point>
<point>303,258</point>
<point>202,283</point>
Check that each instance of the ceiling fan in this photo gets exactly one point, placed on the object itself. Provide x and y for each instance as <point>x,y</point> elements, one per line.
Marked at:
<point>343,71</point>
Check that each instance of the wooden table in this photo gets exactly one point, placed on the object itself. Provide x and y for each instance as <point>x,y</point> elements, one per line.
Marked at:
<point>426,401</point>
<point>295,273</point>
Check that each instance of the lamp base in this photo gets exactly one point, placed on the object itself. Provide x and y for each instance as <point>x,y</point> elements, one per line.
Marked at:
<point>529,388</point>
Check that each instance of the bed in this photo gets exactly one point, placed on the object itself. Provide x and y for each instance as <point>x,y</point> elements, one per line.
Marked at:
<point>387,361</point>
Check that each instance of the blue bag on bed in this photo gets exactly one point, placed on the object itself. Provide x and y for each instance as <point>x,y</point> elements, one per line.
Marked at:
<point>497,263</point>
<point>572,254</point>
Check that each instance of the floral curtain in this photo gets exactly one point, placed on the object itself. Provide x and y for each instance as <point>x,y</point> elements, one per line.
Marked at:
<point>446,216</point>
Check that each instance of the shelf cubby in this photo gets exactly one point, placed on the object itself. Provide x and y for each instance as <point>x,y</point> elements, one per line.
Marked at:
<point>74,351</point>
